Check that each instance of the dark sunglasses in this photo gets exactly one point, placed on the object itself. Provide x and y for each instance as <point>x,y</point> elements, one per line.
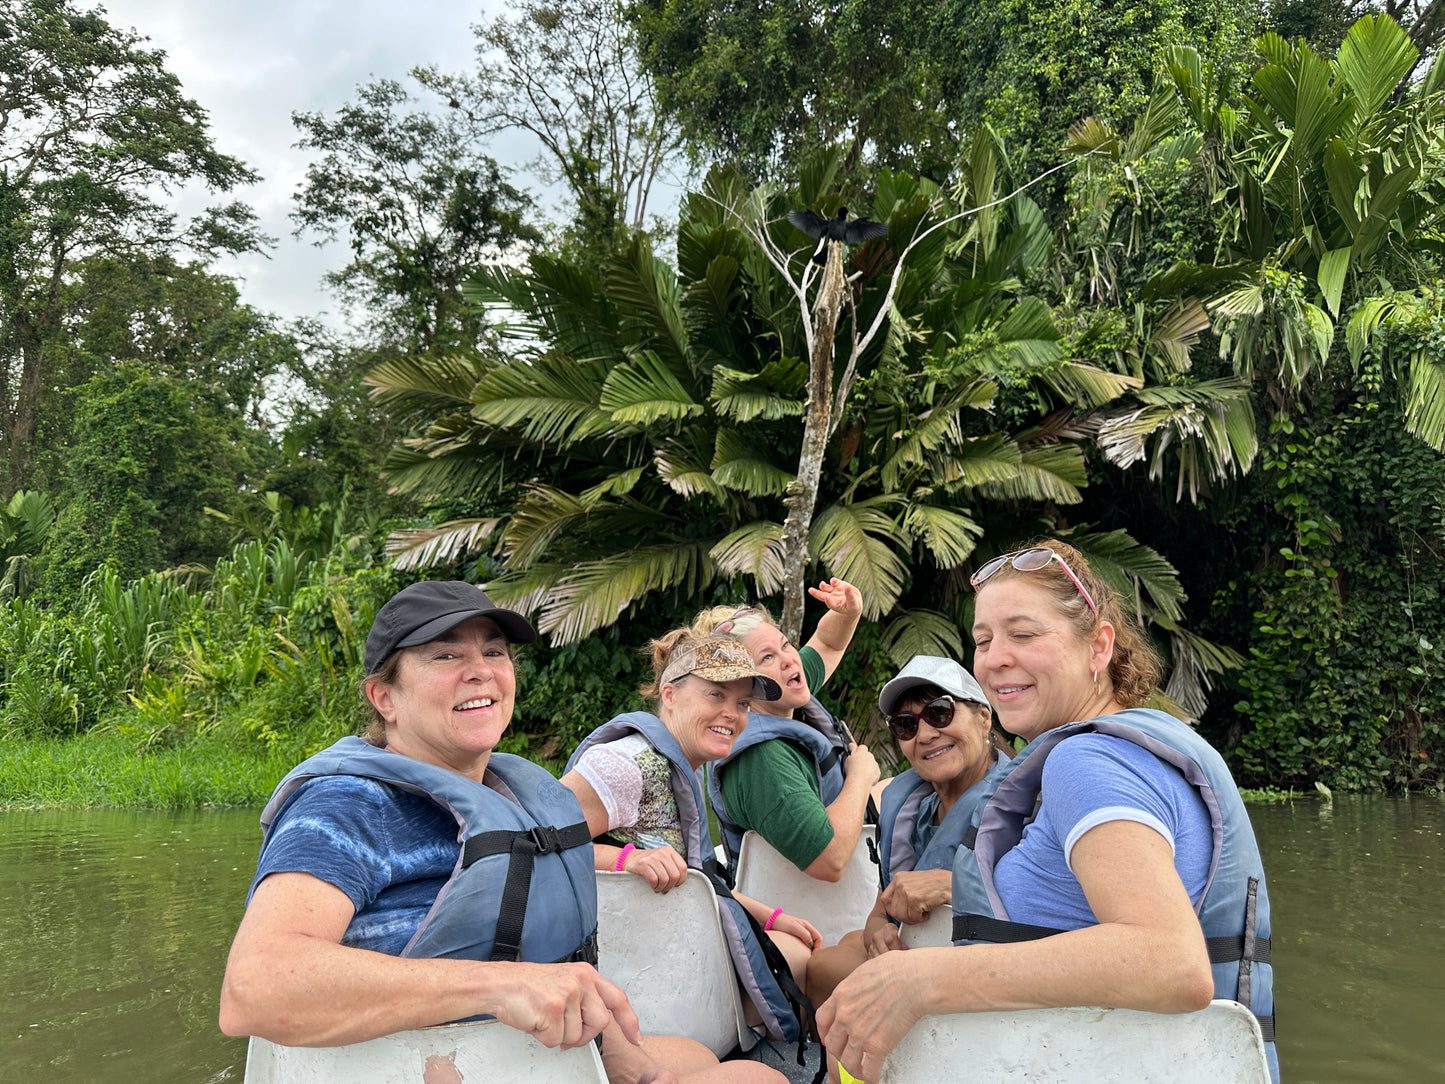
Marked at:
<point>938,715</point>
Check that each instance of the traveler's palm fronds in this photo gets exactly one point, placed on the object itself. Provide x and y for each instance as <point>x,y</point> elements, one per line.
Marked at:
<point>643,432</point>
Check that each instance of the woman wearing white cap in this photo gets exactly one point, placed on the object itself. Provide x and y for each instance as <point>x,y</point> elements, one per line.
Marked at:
<point>942,721</point>
<point>396,870</point>
<point>636,778</point>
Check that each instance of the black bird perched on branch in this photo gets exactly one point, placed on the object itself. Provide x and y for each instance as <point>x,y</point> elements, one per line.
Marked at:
<point>835,229</point>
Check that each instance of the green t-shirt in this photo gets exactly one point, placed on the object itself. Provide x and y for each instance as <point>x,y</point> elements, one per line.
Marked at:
<point>772,788</point>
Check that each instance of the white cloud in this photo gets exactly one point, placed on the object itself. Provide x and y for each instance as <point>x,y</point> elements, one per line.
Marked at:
<point>251,63</point>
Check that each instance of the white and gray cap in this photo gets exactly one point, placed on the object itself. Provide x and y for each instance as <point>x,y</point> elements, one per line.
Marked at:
<point>946,674</point>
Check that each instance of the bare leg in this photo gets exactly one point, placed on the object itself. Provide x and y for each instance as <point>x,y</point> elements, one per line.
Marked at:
<point>696,1064</point>
<point>796,953</point>
<point>877,791</point>
<point>832,965</point>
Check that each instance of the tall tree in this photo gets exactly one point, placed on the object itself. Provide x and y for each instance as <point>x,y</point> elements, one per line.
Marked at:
<point>652,421</point>
<point>762,85</point>
<point>566,72</point>
<point>419,205</point>
<point>93,130</point>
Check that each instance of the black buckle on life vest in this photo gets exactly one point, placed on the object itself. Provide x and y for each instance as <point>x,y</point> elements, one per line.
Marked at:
<point>546,839</point>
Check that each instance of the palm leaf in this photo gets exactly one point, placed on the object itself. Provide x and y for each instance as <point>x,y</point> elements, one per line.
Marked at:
<point>1425,399</point>
<point>684,463</point>
<point>648,301</point>
<point>1045,472</point>
<point>616,485</point>
<point>921,632</point>
<point>855,541</point>
<point>771,394</point>
<point>754,550</point>
<point>551,399</point>
<point>949,535</point>
<point>739,465</point>
<point>644,391</point>
<point>594,594</point>
<point>1132,570</point>
<point>542,514</point>
<point>424,547</point>
<point>425,385</point>
<point>1374,57</point>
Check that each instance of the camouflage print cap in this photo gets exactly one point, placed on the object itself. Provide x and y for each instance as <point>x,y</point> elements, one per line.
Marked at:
<point>719,658</point>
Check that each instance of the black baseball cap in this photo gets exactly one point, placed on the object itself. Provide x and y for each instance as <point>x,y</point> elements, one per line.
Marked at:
<point>420,613</point>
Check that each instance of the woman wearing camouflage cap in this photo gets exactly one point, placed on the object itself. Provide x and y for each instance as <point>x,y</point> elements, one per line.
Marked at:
<point>636,778</point>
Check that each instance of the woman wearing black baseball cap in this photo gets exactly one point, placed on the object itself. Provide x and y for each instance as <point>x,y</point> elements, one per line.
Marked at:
<point>396,870</point>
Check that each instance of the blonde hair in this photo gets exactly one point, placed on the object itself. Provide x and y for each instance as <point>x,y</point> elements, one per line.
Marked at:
<point>1135,668</point>
<point>744,620</point>
<point>662,650</point>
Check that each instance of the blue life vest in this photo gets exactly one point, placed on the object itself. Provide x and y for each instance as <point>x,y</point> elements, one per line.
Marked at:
<point>749,960</point>
<point>817,732</point>
<point>898,814</point>
<point>522,889</point>
<point>1234,910</point>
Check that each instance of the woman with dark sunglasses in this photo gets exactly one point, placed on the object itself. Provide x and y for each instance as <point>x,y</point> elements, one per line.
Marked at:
<point>1112,865</point>
<point>943,724</point>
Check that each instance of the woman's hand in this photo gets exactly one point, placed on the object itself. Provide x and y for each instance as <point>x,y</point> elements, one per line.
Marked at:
<point>800,928</point>
<point>840,596</point>
<point>912,894</point>
<point>883,938</point>
<point>870,1012</point>
<point>661,867</point>
<point>563,1005</point>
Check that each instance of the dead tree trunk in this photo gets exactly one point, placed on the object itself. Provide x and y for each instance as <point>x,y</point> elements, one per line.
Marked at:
<point>802,495</point>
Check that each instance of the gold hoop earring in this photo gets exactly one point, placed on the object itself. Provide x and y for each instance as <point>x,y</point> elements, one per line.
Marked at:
<point>1095,674</point>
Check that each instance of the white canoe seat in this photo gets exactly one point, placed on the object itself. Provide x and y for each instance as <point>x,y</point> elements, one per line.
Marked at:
<point>1220,1044</point>
<point>833,907</point>
<point>668,953</point>
<point>480,1051</point>
<point>933,932</point>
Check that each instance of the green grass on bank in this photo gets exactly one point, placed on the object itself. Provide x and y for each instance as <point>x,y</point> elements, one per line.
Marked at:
<point>106,769</point>
<point>1268,794</point>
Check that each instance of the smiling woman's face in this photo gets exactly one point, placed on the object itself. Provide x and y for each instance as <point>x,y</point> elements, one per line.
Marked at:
<point>452,699</point>
<point>1035,669</point>
<point>704,716</point>
<point>961,750</point>
<point>774,657</point>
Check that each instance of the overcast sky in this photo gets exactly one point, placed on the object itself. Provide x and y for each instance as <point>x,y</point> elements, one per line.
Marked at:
<point>250,63</point>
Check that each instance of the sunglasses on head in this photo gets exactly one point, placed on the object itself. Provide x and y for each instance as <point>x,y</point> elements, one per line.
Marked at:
<point>938,715</point>
<point>726,627</point>
<point>1030,560</point>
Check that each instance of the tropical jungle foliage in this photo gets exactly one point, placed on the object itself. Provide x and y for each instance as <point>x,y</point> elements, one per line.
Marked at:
<point>1145,286</point>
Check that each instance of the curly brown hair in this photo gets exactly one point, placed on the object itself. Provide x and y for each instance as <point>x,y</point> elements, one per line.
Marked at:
<point>1135,669</point>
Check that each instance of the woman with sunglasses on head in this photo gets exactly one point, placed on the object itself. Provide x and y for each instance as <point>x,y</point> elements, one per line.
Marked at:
<point>1113,864</point>
<point>795,777</point>
<point>943,724</point>
<point>636,778</point>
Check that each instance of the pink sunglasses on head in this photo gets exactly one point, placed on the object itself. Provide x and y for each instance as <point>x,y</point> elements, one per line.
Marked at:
<point>1030,560</point>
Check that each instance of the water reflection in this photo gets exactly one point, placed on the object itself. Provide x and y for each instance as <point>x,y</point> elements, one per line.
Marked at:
<point>114,928</point>
<point>113,932</point>
<point>1357,889</point>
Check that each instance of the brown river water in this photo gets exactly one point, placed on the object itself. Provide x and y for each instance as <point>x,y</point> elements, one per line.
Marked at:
<point>114,928</point>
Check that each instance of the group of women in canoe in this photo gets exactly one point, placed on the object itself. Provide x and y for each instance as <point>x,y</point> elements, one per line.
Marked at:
<point>414,875</point>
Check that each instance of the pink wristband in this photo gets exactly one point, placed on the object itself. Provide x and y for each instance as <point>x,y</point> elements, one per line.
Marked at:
<point>622,858</point>
<point>768,925</point>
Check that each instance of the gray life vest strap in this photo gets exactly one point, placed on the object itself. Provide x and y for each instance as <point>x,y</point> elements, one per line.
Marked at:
<point>524,847</point>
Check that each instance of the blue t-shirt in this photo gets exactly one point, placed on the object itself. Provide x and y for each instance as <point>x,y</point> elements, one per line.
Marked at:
<point>1088,780</point>
<point>389,850</point>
